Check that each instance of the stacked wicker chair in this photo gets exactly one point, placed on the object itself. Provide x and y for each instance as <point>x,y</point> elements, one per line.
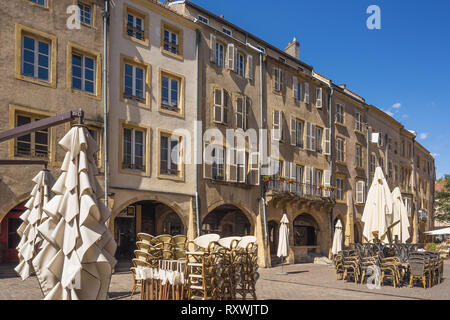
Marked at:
<point>201,267</point>
<point>248,275</point>
<point>231,266</point>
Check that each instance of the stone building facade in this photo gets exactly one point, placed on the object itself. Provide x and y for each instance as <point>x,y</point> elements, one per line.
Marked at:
<point>192,99</point>
<point>41,61</point>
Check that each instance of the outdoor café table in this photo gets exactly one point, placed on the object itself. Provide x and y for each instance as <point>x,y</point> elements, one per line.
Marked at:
<point>165,282</point>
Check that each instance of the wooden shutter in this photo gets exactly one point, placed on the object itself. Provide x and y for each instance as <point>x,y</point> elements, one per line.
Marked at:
<point>212,48</point>
<point>318,97</point>
<point>327,139</point>
<point>306,92</point>
<point>276,79</point>
<point>225,102</point>
<point>240,113</point>
<point>308,136</point>
<point>360,192</point>
<point>207,161</point>
<point>249,70</point>
<point>307,180</point>
<point>281,79</point>
<point>313,137</point>
<point>231,56</point>
<point>293,131</point>
<point>232,165</point>
<point>276,128</point>
<point>218,96</point>
<point>241,165</point>
<point>327,182</point>
<point>295,87</point>
<point>247,107</point>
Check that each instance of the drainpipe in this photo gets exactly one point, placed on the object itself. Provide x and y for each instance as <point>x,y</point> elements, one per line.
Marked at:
<point>105,96</point>
<point>197,214</point>
<point>416,220</point>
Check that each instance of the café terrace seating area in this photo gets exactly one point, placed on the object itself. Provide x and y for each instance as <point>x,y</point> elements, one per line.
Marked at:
<point>169,267</point>
<point>395,264</point>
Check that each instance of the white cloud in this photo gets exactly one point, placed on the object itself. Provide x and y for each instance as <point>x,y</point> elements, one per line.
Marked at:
<point>404,116</point>
<point>397,105</point>
<point>435,155</point>
<point>423,136</point>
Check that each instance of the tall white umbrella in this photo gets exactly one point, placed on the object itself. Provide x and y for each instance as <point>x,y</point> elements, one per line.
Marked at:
<point>377,215</point>
<point>31,241</point>
<point>399,217</point>
<point>85,257</point>
<point>337,238</point>
<point>283,240</point>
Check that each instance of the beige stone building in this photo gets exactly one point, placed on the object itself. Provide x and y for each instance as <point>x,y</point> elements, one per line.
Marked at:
<point>199,110</point>
<point>47,69</point>
<point>152,114</point>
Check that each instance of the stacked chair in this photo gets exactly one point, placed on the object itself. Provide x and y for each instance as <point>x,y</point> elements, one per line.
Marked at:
<point>397,263</point>
<point>426,267</point>
<point>206,268</point>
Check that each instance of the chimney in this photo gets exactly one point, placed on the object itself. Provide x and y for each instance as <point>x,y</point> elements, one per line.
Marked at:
<point>293,48</point>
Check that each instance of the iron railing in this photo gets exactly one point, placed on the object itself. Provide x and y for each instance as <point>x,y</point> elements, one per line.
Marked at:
<point>298,189</point>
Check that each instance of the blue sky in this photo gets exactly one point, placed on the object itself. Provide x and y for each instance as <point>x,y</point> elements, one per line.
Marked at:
<point>403,68</point>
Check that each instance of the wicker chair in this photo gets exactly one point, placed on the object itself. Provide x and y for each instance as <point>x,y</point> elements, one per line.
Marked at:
<point>351,265</point>
<point>420,268</point>
<point>201,266</point>
<point>147,238</point>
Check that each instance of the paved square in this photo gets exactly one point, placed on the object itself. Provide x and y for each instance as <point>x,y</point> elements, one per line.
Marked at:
<point>303,281</point>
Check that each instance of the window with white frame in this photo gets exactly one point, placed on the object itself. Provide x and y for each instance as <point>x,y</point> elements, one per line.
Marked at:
<point>318,175</point>
<point>220,54</point>
<point>340,189</point>
<point>218,163</point>
<point>390,169</point>
<point>85,12</point>
<point>236,160</point>
<point>169,155</point>
<point>253,168</point>
<point>171,41</point>
<point>227,31</point>
<point>203,19</point>
<point>220,105</point>
<point>360,194</point>
<point>240,64</point>
<point>242,106</point>
<point>340,150</point>
<point>135,26</point>
<point>319,136</point>
<point>339,113</point>
<point>133,149</point>
<point>170,93</point>
<point>277,79</point>
<point>134,82</point>
<point>296,132</point>
<point>358,122</point>
<point>310,136</point>
<point>359,156</point>
<point>83,73</point>
<point>36,58</point>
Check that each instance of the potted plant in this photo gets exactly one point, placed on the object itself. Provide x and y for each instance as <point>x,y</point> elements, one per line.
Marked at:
<point>281,178</point>
<point>266,178</point>
<point>290,180</point>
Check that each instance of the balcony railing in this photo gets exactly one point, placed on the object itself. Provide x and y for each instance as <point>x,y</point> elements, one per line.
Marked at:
<point>298,189</point>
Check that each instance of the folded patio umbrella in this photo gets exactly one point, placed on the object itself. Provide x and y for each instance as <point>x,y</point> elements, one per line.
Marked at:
<point>337,238</point>
<point>84,258</point>
<point>377,215</point>
<point>283,240</point>
<point>31,241</point>
<point>399,217</point>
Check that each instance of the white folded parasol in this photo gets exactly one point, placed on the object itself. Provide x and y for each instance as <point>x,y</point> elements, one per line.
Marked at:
<point>31,241</point>
<point>377,215</point>
<point>84,258</point>
<point>400,217</point>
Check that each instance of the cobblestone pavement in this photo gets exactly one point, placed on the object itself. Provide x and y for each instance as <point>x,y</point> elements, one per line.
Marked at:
<point>303,281</point>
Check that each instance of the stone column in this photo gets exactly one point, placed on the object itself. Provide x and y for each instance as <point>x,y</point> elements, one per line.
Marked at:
<point>191,231</point>
<point>263,247</point>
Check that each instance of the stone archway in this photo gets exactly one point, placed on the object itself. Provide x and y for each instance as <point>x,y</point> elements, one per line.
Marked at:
<point>149,216</point>
<point>272,232</point>
<point>306,230</point>
<point>227,220</point>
